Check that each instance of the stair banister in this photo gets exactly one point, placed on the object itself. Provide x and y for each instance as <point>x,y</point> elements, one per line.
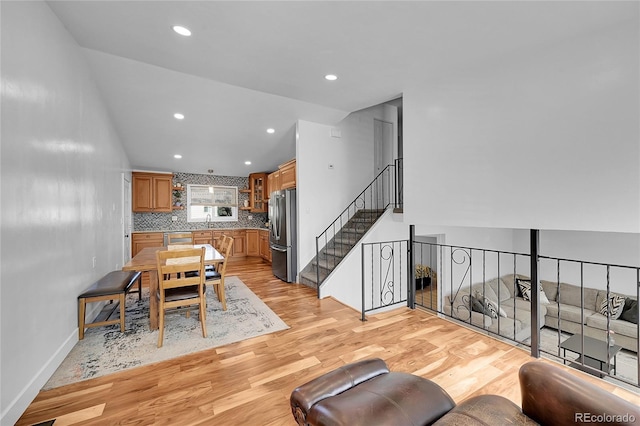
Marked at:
<point>377,184</point>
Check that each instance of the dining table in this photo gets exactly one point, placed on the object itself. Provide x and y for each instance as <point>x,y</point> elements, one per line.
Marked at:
<point>145,261</point>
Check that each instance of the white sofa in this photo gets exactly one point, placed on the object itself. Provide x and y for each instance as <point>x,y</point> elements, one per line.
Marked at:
<point>515,321</point>
<point>563,311</point>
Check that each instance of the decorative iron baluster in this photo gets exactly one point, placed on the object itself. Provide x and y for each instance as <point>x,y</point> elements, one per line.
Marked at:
<point>388,287</point>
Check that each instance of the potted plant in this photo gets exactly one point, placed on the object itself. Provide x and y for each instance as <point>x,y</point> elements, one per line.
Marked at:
<point>424,276</point>
<point>178,196</point>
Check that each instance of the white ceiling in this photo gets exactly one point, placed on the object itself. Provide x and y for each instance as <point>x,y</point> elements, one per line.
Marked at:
<point>253,65</point>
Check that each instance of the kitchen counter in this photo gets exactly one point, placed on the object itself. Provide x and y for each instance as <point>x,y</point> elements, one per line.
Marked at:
<point>196,230</point>
<point>246,241</point>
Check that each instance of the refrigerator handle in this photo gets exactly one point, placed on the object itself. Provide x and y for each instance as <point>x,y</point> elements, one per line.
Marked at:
<point>278,249</point>
<point>272,217</point>
<point>278,219</point>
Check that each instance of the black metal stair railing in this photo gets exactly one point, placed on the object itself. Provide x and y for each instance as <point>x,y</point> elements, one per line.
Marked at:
<point>346,230</point>
<point>399,188</point>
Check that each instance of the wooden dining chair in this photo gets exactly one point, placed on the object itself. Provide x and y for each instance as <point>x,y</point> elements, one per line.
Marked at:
<point>177,288</point>
<point>180,238</point>
<point>224,242</point>
<point>221,248</point>
<point>216,278</point>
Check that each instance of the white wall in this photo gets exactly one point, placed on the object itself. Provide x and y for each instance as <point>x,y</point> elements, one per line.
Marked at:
<point>324,193</point>
<point>545,138</point>
<point>600,247</point>
<point>61,197</point>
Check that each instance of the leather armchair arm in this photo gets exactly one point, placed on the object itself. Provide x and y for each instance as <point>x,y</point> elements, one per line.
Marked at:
<point>551,395</point>
<point>333,383</point>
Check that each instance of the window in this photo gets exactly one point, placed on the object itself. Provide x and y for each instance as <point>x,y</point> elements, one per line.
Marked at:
<point>215,203</point>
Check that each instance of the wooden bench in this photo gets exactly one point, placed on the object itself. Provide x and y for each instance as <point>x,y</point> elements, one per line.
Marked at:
<point>114,285</point>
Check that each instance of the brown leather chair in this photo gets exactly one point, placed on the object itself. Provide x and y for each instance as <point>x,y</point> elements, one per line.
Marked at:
<point>366,393</point>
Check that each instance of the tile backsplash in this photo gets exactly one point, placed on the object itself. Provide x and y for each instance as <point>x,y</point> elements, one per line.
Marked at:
<point>162,221</point>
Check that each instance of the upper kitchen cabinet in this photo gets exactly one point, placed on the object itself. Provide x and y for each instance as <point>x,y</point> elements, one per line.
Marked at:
<point>288,174</point>
<point>283,178</point>
<point>273,182</point>
<point>152,192</point>
<point>259,189</point>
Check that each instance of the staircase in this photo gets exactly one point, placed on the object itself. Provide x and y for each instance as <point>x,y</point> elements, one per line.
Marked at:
<point>338,245</point>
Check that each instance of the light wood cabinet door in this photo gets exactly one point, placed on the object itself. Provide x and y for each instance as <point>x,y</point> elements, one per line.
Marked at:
<point>239,245</point>
<point>145,239</point>
<point>202,237</point>
<point>142,240</point>
<point>162,193</point>
<point>151,193</point>
<point>258,186</point>
<point>253,243</point>
<point>273,181</point>
<point>142,193</point>
<point>288,175</point>
<point>265,248</point>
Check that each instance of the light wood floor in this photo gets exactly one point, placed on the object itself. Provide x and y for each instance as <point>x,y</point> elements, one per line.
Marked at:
<point>249,383</point>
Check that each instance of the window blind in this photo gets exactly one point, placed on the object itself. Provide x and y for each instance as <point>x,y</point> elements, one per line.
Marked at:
<point>219,196</point>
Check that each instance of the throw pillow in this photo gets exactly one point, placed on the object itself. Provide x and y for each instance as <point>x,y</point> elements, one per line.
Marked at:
<point>524,287</point>
<point>490,307</point>
<point>543,297</point>
<point>630,311</point>
<point>476,305</point>
<point>479,305</point>
<point>502,313</point>
<point>493,308</point>
<point>613,305</point>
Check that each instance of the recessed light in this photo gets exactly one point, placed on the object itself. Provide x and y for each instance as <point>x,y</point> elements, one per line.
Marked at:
<point>178,116</point>
<point>271,131</point>
<point>331,77</point>
<point>248,163</point>
<point>178,156</point>
<point>182,30</point>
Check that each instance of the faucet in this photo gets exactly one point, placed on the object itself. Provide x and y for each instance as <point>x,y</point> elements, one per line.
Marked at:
<point>207,221</point>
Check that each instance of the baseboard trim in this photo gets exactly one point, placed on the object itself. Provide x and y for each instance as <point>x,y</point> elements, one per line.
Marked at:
<point>17,407</point>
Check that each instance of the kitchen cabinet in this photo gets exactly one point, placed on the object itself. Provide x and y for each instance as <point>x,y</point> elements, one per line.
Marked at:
<point>202,237</point>
<point>288,174</point>
<point>273,182</point>
<point>143,240</point>
<point>246,242</point>
<point>253,243</point>
<point>239,246</point>
<point>265,248</point>
<point>258,188</point>
<point>152,192</point>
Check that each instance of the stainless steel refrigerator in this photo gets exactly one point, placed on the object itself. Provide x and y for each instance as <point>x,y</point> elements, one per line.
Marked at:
<point>282,238</point>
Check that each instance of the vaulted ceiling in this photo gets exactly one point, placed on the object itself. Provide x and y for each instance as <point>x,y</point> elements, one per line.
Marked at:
<point>250,66</point>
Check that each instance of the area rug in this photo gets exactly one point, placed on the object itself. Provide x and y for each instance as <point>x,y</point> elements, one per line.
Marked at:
<point>106,350</point>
